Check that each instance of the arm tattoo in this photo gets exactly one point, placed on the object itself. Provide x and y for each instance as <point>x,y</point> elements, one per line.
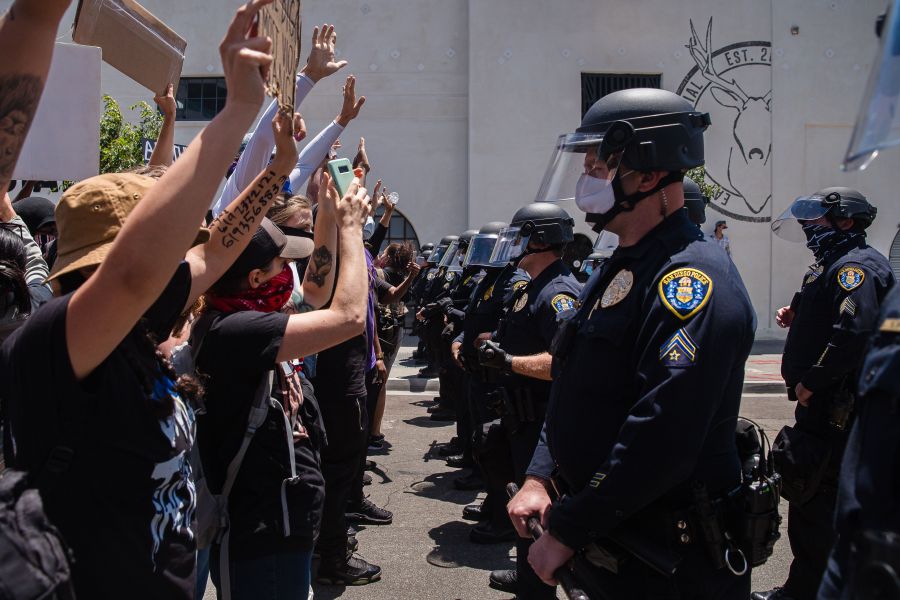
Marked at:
<point>18,103</point>
<point>320,266</point>
<point>235,223</point>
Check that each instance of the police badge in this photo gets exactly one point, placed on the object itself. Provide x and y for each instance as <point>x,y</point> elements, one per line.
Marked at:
<point>685,291</point>
<point>521,302</point>
<point>617,289</point>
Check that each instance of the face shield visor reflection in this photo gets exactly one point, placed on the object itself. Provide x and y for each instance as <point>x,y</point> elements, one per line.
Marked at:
<point>436,255</point>
<point>480,249</point>
<point>878,123</point>
<point>805,208</point>
<point>450,259</point>
<point>511,243</point>
<point>575,154</point>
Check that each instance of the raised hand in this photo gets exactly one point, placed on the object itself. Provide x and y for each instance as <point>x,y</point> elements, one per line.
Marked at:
<point>299,127</point>
<point>283,128</point>
<point>166,102</point>
<point>246,58</point>
<point>351,106</point>
<point>362,159</point>
<point>321,63</point>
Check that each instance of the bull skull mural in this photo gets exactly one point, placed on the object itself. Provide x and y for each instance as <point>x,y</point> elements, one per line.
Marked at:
<point>733,84</point>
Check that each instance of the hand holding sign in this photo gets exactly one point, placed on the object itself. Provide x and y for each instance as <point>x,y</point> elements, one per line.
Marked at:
<point>245,58</point>
<point>166,102</point>
<point>280,21</point>
<point>320,63</point>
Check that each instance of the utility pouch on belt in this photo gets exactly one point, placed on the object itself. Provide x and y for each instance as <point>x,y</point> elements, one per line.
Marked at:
<point>564,339</point>
<point>801,458</point>
<point>840,409</point>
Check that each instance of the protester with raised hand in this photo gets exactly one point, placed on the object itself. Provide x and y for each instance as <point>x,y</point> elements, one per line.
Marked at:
<point>320,64</point>
<point>30,24</point>
<point>164,151</point>
<point>109,413</point>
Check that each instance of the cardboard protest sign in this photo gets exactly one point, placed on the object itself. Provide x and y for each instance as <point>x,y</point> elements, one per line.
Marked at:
<point>133,41</point>
<point>64,139</point>
<point>149,145</point>
<point>281,22</point>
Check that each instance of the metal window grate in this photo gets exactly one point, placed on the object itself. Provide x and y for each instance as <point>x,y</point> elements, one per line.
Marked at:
<point>200,98</point>
<point>894,255</point>
<point>399,230</point>
<point>596,85</point>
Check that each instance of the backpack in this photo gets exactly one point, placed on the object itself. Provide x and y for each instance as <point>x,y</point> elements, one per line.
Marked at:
<point>34,559</point>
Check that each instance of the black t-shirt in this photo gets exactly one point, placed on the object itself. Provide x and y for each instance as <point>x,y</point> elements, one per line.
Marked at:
<point>237,351</point>
<point>126,502</point>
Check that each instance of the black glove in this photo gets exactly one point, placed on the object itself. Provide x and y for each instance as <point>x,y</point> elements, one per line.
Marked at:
<point>491,355</point>
<point>444,304</point>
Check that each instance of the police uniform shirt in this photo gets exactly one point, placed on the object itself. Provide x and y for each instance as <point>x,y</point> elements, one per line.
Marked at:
<point>835,312</point>
<point>646,393</point>
<point>461,295</point>
<point>532,315</point>
<point>486,305</point>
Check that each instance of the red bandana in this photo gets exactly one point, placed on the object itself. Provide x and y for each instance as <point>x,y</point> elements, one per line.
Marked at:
<point>269,297</point>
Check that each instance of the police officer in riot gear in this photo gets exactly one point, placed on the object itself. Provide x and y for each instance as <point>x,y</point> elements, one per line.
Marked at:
<point>830,320</point>
<point>538,233</point>
<point>865,561</point>
<point>481,316</point>
<point>694,201</point>
<point>647,375</point>
<point>431,316</point>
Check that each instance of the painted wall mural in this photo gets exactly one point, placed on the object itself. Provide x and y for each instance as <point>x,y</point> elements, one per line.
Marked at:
<point>733,83</point>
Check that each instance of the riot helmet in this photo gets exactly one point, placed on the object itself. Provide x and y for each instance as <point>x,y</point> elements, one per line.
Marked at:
<point>540,222</point>
<point>427,246</point>
<point>694,201</point>
<point>878,123</point>
<point>833,202</point>
<point>639,129</point>
<point>482,245</point>
<point>453,257</point>
<point>437,253</point>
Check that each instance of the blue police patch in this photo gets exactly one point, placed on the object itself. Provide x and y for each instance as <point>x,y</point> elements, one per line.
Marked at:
<point>850,278</point>
<point>678,351</point>
<point>685,291</point>
<point>562,303</point>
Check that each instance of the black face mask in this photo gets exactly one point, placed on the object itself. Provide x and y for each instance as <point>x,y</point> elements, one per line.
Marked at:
<point>822,239</point>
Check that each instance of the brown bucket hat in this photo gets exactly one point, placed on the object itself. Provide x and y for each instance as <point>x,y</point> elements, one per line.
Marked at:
<point>90,215</point>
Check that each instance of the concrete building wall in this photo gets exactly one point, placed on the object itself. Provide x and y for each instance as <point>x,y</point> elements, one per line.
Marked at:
<point>467,97</point>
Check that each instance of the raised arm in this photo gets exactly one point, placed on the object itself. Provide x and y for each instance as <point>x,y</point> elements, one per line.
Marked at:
<point>345,318</point>
<point>318,281</point>
<point>154,239</point>
<point>231,231</point>
<point>165,142</point>
<point>396,293</point>
<point>30,24</point>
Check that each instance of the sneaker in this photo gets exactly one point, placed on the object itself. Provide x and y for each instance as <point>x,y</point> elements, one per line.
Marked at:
<point>368,513</point>
<point>778,593</point>
<point>355,571</point>
<point>376,442</point>
<point>504,580</point>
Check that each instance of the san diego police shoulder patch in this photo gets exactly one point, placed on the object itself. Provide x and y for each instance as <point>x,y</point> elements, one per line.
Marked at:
<point>685,291</point>
<point>562,303</point>
<point>850,278</point>
<point>678,351</point>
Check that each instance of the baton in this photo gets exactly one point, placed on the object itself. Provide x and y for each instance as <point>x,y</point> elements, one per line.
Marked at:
<point>565,577</point>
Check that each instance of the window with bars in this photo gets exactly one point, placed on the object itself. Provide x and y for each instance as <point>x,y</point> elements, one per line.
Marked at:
<point>596,85</point>
<point>200,98</point>
<point>399,230</point>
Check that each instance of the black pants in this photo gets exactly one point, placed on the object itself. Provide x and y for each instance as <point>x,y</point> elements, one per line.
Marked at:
<point>695,579</point>
<point>522,443</point>
<point>495,481</point>
<point>811,533</point>
<point>372,392</point>
<point>346,423</point>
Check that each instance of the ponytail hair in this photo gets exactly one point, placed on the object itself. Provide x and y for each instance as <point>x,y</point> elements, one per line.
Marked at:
<point>13,287</point>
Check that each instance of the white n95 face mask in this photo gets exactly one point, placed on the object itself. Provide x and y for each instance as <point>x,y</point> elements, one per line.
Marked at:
<point>593,195</point>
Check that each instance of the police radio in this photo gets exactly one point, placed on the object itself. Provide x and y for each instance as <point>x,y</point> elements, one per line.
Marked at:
<point>758,501</point>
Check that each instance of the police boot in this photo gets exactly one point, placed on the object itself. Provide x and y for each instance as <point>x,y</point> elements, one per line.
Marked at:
<point>778,593</point>
<point>470,482</point>
<point>504,580</point>
<point>474,512</point>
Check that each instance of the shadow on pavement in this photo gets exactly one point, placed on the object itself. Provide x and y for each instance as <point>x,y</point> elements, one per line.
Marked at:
<point>425,421</point>
<point>439,486</point>
<point>453,549</point>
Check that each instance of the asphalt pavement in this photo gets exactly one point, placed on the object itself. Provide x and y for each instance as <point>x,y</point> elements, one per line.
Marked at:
<point>425,553</point>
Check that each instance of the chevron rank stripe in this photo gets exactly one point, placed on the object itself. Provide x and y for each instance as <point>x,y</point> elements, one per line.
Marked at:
<point>679,350</point>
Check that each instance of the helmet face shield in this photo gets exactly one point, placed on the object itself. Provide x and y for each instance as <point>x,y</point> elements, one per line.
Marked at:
<point>575,154</point>
<point>878,123</point>
<point>436,255</point>
<point>511,243</point>
<point>480,249</point>
<point>450,259</point>
<point>804,208</point>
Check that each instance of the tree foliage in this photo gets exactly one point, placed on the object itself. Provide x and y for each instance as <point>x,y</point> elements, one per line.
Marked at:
<point>120,140</point>
<point>710,190</point>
